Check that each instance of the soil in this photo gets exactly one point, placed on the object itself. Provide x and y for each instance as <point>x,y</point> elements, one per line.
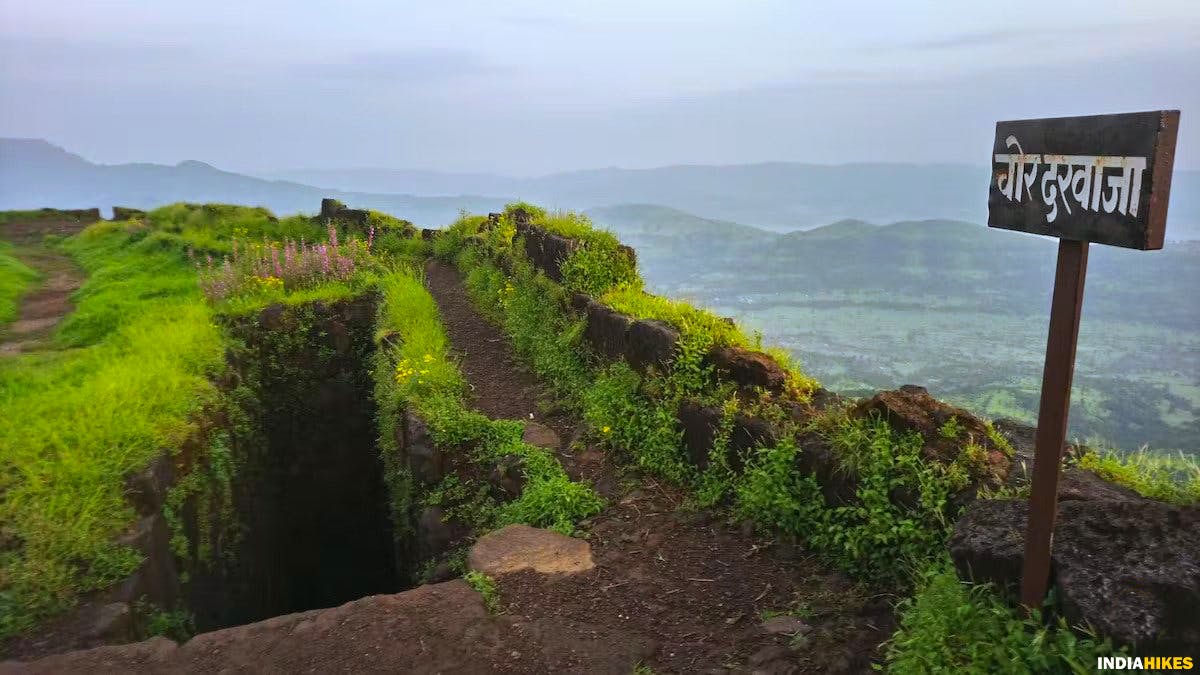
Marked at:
<point>696,585</point>
<point>44,306</point>
<point>501,386</point>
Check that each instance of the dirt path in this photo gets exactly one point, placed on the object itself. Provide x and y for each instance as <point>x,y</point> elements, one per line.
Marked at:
<point>45,305</point>
<point>699,589</point>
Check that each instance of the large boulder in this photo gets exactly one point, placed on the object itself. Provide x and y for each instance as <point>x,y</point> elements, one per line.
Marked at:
<point>546,250</point>
<point>988,544</point>
<point>911,408</point>
<point>651,344</point>
<point>748,368</point>
<point>1128,567</point>
<point>1131,569</point>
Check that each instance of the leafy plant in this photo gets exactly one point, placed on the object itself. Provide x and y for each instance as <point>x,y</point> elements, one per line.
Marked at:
<point>272,268</point>
<point>177,624</point>
<point>950,626</point>
<point>486,587</point>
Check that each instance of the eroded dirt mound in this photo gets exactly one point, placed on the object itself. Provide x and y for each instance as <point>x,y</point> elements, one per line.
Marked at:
<point>441,628</point>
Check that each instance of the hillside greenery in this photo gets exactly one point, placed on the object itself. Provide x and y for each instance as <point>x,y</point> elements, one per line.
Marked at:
<point>134,366</point>
<point>143,346</point>
<point>15,278</point>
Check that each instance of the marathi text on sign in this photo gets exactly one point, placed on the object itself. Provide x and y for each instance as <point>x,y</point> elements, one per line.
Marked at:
<point>1081,177</point>
<point>1104,179</point>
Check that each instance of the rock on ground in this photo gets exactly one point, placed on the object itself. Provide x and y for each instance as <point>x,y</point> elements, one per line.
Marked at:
<point>1128,567</point>
<point>520,547</point>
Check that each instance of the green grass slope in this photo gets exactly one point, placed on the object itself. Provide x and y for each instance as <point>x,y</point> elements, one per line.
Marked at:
<point>15,278</point>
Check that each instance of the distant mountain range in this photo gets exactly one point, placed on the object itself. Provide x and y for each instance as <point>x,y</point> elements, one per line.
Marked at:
<point>779,196</point>
<point>1004,271</point>
<point>776,196</point>
<point>34,173</point>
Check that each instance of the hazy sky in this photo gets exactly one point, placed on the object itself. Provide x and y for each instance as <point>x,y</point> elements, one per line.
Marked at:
<point>528,87</point>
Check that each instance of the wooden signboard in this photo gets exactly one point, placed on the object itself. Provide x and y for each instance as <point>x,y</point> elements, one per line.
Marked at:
<point>1103,179</point>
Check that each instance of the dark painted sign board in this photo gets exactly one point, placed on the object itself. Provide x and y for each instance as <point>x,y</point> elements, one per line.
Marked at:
<point>1104,179</point>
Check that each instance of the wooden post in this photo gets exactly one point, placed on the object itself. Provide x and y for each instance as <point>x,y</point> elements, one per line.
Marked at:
<point>1052,417</point>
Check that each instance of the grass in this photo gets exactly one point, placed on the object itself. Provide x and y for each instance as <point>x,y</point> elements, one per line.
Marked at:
<point>83,418</point>
<point>15,278</point>
<point>950,626</point>
<point>212,228</point>
<point>639,304</point>
<point>1174,479</point>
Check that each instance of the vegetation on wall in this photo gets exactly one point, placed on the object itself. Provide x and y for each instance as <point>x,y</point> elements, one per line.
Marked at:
<point>131,375</point>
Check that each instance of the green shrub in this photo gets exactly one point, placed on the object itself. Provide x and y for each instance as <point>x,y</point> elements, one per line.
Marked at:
<point>486,587</point>
<point>950,626</point>
<point>875,537</point>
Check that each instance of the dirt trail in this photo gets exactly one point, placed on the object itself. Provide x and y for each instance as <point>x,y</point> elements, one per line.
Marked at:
<point>698,588</point>
<point>49,301</point>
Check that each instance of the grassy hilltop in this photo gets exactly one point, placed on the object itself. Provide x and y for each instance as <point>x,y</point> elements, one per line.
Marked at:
<point>134,370</point>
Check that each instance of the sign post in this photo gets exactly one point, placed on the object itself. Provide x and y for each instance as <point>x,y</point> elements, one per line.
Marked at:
<point>1103,179</point>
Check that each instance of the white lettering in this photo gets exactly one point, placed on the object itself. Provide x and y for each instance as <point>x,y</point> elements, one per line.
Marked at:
<point>1071,178</point>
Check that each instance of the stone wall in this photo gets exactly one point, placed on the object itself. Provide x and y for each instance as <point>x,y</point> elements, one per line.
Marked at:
<point>126,213</point>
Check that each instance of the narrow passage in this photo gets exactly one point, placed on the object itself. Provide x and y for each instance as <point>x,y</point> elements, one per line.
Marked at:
<point>690,590</point>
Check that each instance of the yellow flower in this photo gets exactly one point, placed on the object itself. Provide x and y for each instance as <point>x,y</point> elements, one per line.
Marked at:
<point>428,358</point>
<point>605,429</point>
